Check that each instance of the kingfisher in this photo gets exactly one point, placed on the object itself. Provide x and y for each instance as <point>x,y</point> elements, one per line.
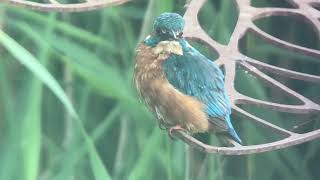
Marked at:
<point>182,87</point>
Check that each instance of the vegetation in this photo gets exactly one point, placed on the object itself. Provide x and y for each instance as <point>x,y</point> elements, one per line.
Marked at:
<point>68,109</point>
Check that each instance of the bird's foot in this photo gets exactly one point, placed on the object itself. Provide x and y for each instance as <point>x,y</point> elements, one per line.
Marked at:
<point>174,128</point>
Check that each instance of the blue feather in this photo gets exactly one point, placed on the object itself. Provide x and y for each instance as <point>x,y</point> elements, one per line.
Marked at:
<point>231,131</point>
<point>195,75</point>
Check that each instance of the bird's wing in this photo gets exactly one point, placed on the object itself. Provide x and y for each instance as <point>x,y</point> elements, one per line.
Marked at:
<point>195,75</point>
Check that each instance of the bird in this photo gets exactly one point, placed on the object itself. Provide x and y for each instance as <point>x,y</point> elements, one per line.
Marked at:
<point>183,88</point>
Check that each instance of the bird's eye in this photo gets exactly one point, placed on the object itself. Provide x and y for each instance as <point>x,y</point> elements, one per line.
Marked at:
<point>161,32</point>
<point>180,34</point>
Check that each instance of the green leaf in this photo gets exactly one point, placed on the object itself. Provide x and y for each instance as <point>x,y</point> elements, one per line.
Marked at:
<point>66,28</point>
<point>149,152</point>
<point>105,79</point>
<point>30,62</point>
<point>27,59</point>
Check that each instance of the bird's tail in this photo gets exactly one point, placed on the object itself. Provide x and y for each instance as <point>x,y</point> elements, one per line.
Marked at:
<point>226,140</point>
<point>231,132</point>
<point>234,135</point>
<point>229,138</point>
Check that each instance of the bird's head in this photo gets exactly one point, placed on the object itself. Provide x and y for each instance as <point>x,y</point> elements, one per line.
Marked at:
<point>168,26</point>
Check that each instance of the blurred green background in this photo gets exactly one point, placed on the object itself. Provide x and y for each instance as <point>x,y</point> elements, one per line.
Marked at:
<point>95,128</point>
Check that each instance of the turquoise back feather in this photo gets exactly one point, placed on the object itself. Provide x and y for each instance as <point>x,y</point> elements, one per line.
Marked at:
<point>195,75</point>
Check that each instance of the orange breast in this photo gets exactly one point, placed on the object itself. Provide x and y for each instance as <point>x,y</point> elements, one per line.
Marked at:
<point>170,105</point>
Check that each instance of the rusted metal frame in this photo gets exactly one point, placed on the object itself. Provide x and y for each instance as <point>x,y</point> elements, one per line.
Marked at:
<point>56,6</point>
<point>282,71</point>
<point>230,54</point>
<point>276,84</point>
<point>252,149</point>
<point>262,122</point>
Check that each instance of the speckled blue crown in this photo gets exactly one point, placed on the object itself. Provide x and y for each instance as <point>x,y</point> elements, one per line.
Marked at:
<point>169,22</point>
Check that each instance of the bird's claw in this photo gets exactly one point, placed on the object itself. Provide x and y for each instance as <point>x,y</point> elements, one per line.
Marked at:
<point>174,128</point>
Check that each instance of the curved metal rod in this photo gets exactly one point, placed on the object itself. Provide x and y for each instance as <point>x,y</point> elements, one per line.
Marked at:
<point>282,71</point>
<point>75,7</point>
<point>283,44</point>
<point>262,122</point>
<point>251,149</point>
<point>275,84</point>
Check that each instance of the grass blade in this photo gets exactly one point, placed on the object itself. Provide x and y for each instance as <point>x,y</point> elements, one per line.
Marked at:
<point>29,61</point>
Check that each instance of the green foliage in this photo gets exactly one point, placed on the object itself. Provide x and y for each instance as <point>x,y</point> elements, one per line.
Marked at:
<point>68,109</point>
